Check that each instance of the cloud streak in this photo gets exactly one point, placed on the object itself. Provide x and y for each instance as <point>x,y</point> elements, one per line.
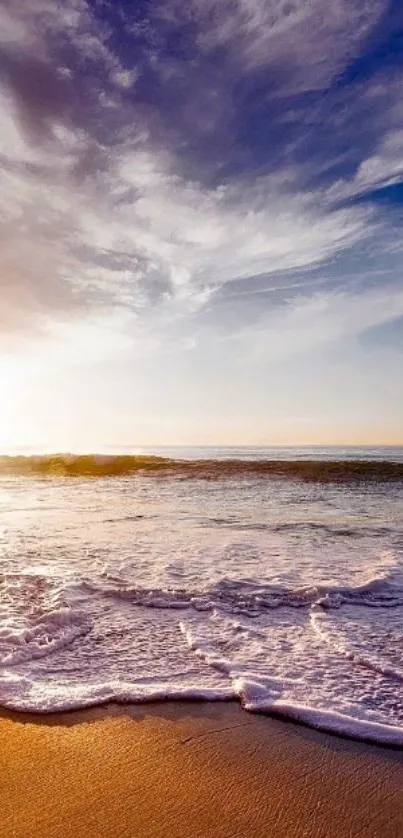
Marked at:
<point>134,178</point>
<point>306,44</point>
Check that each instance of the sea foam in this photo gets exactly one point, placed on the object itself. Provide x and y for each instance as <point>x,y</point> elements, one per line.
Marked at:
<point>278,591</point>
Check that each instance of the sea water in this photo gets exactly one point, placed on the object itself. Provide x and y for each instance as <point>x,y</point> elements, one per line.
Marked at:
<point>281,590</point>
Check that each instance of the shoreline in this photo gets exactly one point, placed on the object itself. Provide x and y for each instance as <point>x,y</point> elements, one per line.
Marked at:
<point>191,768</point>
<point>328,723</point>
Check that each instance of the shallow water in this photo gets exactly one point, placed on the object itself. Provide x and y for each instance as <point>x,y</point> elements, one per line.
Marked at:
<point>282,592</point>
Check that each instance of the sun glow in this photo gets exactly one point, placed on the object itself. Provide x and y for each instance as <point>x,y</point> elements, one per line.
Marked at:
<point>16,421</point>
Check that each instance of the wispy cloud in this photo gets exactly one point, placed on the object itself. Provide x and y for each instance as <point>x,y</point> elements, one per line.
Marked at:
<point>311,323</point>
<point>381,169</point>
<point>306,43</point>
<point>150,162</point>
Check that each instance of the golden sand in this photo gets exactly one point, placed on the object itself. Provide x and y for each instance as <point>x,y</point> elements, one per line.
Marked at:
<point>190,769</point>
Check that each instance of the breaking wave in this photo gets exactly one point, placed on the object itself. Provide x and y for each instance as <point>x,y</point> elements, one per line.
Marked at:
<point>250,599</point>
<point>71,465</point>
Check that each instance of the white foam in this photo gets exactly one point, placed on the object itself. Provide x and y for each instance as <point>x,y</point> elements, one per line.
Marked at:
<point>251,598</point>
<point>45,635</point>
<point>325,720</point>
<point>282,597</point>
<point>24,695</point>
<point>202,648</point>
<point>334,637</point>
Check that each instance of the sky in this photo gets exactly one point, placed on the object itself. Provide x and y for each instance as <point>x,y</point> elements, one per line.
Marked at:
<point>201,236</point>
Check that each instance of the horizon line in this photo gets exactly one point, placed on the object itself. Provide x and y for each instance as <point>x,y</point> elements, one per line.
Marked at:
<point>21,450</point>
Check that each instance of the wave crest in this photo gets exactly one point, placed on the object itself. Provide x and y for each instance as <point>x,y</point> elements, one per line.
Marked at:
<point>251,600</point>
<point>72,465</point>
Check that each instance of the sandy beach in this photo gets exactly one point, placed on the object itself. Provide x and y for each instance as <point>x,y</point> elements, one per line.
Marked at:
<point>180,769</point>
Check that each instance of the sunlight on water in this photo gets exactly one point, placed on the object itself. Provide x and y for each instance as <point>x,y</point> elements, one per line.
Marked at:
<point>283,592</point>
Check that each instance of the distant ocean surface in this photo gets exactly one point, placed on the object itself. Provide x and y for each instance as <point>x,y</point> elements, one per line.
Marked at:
<point>277,452</point>
<point>272,576</point>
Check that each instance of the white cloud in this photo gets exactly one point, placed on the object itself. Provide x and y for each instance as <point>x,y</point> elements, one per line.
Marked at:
<point>381,169</point>
<point>313,39</point>
<point>134,233</point>
<point>384,167</point>
<point>204,237</point>
<point>36,30</point>
<point>309,323</point>
<point>28,26</point>
<point>13,145</point>
<point>125,78</point>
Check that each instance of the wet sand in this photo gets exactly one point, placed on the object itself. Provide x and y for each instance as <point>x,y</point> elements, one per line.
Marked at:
<point>191,769</point>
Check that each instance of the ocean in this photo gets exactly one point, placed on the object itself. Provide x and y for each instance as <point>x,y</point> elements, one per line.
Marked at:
<point>273,577</point>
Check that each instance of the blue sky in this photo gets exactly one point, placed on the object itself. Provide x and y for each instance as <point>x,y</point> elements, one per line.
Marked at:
<point>201,222</point>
